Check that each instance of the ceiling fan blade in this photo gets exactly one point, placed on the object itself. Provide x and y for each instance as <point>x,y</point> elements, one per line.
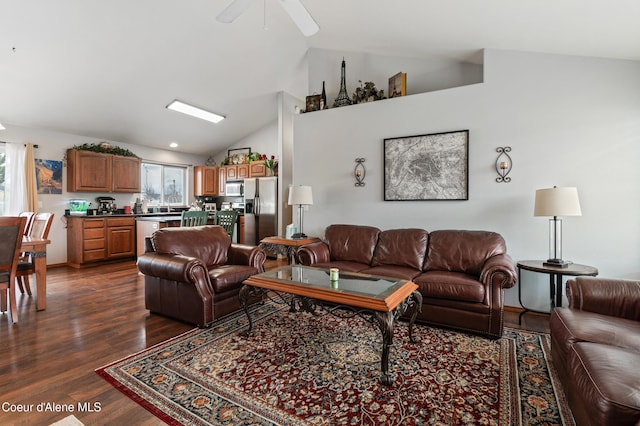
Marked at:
<point>235,9</point>
<point>300,16</point>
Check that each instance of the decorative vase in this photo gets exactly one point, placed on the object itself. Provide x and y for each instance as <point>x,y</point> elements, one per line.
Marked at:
<point>270,171</point>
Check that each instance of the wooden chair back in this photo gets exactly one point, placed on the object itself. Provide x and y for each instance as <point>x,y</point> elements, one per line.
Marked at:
<point>194,218</point>
<point>227,219</point>
<point>29,216</point>
<point>41,224</point>
<point>11,234</point>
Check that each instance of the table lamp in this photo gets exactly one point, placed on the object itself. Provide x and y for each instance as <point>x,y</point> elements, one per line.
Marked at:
<point>556,202</point>
<point>300,196</point>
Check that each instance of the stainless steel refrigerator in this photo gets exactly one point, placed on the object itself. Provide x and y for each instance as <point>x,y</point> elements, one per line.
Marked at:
<point>260,209</point>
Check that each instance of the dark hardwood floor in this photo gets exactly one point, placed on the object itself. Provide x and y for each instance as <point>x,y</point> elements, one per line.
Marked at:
<point>94,316</point>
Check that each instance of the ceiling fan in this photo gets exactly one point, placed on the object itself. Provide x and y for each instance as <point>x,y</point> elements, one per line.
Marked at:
<point>294,8</point>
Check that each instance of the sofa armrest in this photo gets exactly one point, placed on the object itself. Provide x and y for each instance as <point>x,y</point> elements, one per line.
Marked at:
<point>606,296</point>
<point>499,269</point>
<point>241,254</point>
<point>173,267</point>
<point>313,253</point>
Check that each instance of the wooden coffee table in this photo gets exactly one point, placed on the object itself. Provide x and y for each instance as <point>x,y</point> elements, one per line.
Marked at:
<point>379,300</point>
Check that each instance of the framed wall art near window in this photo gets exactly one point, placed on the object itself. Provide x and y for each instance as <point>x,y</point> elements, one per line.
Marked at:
<point>427,167</point>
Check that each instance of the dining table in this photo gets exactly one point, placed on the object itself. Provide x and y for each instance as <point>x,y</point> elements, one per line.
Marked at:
<point>38,249</point>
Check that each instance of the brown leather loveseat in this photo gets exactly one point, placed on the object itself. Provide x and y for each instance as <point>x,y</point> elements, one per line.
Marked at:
<point>461,274</point>
<point>595,346</point>
<point>194,274</point>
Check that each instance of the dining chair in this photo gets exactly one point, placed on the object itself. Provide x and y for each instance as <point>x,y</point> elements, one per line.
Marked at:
<point>40,226</point>
<point>29,216</point>
<point>11,234</point>
<point>227,219</point>
<point>194,218</point>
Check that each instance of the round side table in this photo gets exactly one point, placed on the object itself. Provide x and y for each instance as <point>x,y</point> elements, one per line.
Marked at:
<point>555,280</point>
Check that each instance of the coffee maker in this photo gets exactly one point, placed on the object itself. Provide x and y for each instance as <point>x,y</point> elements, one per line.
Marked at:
<point>106,205</point>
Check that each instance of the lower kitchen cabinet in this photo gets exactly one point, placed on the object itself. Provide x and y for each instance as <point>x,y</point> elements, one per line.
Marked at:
<point>96,239</point>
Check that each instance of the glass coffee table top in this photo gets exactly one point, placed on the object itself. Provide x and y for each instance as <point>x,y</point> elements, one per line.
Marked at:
<point>348,282</point>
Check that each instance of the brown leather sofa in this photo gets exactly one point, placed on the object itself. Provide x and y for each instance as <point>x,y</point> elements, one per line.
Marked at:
<point>595,347</point>
<point>461,274</point>
<point>194,274</point>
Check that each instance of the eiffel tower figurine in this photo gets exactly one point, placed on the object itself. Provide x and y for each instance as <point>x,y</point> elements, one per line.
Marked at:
<point>343,96</point>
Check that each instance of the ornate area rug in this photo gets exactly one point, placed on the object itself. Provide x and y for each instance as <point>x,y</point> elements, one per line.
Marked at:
<point>300,369</point>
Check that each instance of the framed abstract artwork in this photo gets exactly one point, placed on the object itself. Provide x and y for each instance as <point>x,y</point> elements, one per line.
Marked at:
<point>427,167</point>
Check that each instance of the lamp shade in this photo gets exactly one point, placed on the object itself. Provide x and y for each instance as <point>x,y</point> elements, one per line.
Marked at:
<point>557,202</point>
<point>300,195</point>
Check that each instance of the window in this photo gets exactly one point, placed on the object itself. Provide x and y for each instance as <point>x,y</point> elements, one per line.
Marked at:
<point>164,185</point>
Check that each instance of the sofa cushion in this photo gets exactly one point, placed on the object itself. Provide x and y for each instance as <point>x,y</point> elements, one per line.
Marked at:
<point>353,243</point>
<point>401,272</point>
<point>462,251</point>
<point>451,286</point>
<point>401,247</point>
<point>343,265</point>
<point>207,243</point>
<point>228,277</point>
<point>569,326</point>
<point>606,379</point>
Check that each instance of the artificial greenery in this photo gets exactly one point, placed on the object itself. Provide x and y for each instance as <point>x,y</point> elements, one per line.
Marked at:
<point>367,93</point>
<point>105,149</point>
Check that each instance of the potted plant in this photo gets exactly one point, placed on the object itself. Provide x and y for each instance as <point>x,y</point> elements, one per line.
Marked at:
<point>367,93</point>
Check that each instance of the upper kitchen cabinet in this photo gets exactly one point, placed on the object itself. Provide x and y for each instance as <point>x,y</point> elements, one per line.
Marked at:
<point>89,171</point>
<point>126,174</point>
<point>206,180</point>
<point>237,171</point>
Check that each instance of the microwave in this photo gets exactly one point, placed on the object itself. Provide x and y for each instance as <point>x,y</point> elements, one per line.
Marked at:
<point>234,189</point>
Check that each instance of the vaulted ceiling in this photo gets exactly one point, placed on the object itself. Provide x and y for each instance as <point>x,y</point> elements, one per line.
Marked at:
<point>107,69</point>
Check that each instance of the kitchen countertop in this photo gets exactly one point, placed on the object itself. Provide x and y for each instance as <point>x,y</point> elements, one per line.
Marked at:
<point>159,217</point>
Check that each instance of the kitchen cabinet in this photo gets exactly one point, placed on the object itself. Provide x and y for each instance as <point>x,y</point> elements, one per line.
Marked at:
<point>257,169</point>
<point>222,181</point>
<point>237,171</point>
<point>89,171</point>
<point>121,237</point>
<point>206,180</point>
<point>99,239</point>
<point>126,174</point>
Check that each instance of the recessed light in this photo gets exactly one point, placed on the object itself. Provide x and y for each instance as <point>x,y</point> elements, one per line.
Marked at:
<point>1,127</point>
<point>173,145</point>
<point>193,111</point>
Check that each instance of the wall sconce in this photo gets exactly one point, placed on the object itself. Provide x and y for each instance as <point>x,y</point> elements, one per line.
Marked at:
<point>359,172</point>
<point>503,164</point>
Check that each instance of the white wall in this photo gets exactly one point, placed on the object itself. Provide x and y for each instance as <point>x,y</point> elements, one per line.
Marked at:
<point>570,121</point>
<point>264,141</point>
<point>53,146</point>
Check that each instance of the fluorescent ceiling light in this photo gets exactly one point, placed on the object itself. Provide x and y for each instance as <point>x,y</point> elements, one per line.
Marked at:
<point>195,111</point>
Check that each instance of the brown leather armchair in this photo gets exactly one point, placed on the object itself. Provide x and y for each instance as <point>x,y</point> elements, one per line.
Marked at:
<point>595,347</point>
<point>194,274</point>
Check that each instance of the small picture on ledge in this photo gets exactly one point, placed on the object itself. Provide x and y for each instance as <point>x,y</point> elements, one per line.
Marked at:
<point>398,85</point>
<point>313,103</point>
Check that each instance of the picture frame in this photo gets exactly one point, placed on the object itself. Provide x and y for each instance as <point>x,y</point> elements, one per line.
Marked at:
<point>398,85</point>
<point>48,176</point>
<point>238,155</point>
<point>313,103</point>
<point>429,167</point>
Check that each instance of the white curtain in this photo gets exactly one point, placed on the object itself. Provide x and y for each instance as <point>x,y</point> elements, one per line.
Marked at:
<point>15,195</point>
